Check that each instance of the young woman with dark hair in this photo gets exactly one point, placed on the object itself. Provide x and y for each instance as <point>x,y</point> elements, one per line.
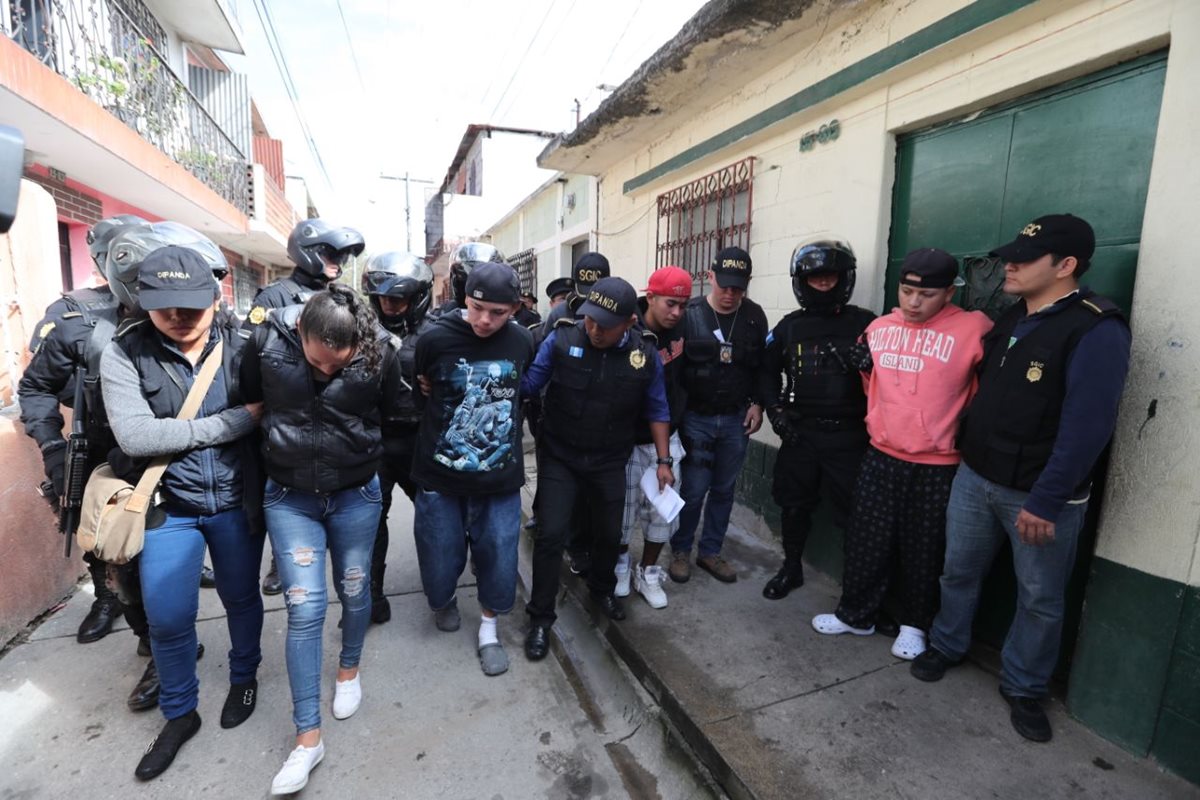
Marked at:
<point>329,377</point>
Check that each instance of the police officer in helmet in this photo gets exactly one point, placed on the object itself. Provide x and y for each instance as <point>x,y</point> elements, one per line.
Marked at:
<point>400,288</point>
<point>320,250</point>
<point>465,258</point>
<point>815,399</point>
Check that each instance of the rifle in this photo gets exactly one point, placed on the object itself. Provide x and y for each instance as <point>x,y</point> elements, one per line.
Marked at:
<point>75,472</point>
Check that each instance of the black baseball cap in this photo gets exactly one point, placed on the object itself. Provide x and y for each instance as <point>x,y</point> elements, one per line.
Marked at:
<point>176,277</point>
<point>590,268</point>
<point>610,302</point>
<point>1060,234</point>
<point>732,268</point>
<point>494,282</point>
<point>559,286</point>
<point>929,268</point>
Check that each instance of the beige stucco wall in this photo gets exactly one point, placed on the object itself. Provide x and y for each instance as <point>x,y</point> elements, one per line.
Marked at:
<point>1152,511</point>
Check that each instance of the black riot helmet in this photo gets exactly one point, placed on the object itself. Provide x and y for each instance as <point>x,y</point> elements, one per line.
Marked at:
<point>465,258</point>
<point>402,275</point>
<point>133,243</point>
<point>314,241</point>
<point>103,232</point>
<point>815,258</point>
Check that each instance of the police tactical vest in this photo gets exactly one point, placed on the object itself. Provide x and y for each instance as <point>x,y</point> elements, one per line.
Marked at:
<point>100,311</point>
<point>299,294</point>
<point>818,384</point>
<point>712,385</point>
<point>595,397</point>
<point>1009,431</point>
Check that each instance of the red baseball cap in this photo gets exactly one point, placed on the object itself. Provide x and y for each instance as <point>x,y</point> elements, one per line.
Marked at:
<point>670,282</point>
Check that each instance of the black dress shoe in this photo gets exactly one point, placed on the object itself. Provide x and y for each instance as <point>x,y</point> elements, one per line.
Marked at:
<point>207,579</point>
<point>99,621</point>
<point>610,605</point>
<point>1028,717</point>
<point>165,747</point>
<point>537,642</point>
<point>785,580</point>
<point>145,694</point>
<point>239,703</point>
<point>270,582</point>
<point>144,646</point>
<point>931,665</point>
<point>381,610</point>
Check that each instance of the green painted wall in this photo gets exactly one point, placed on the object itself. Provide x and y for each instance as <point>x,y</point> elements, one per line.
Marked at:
<point>541,216</point>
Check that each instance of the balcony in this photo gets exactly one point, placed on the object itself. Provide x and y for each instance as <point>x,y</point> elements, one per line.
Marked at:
<point>110,51</point>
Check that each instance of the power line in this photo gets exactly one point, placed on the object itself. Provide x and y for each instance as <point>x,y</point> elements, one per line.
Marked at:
<point>517,68</point>
<point>350,44</point>
<point>612,51</point>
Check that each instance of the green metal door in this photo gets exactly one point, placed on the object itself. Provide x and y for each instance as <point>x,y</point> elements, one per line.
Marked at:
<point>1084,148</point>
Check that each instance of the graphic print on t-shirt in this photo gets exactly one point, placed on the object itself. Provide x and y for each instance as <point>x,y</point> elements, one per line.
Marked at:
<point>905,349</point>
<point>478,436</point>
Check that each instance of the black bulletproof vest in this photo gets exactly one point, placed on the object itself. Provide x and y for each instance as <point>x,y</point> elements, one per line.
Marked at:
<point>714,387</point>
<point>1010,427</point>
<point>595,397</point>
<point>100,311</point>
<point>817,383</point>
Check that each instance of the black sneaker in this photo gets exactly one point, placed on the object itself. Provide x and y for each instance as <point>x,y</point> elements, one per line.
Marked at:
<point>931,665</point>
<point>239,703</point>
<point>579,563</point>
<point>1028,717</point>
<point>165,747</point>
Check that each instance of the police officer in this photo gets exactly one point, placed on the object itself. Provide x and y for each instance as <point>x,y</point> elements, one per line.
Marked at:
<point>601,375</point>
<point>527,315</point>
<point>465,258</point>
<point>590,268</point>
<point>1052,374</point>
<point>722,355</point>
<point>815,399</point>
<point>558,290</point>
<point>400,288</point>
<point>73,333</point>
<point>319,250</point>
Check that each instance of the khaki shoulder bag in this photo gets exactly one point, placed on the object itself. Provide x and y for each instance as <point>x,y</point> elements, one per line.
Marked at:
<point>112,517</point>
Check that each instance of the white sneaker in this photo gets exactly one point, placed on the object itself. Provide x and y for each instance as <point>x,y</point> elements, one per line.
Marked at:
<point>294,775</point>
<point>830,624</point>
<point>909,644</point>
<point>347,695</point>
<point>623,575</point>
<point>648,582</point>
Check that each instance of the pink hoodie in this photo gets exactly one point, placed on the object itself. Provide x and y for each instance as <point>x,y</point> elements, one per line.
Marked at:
<point>923,378</point>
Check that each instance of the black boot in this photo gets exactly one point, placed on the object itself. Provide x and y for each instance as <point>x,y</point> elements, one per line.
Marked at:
<point>796,524</point>
<point>271,583</point>
<point>145,694</point>
<point>105,609</point>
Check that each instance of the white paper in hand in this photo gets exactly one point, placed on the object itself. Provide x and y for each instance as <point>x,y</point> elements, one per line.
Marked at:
<point>667,503</point>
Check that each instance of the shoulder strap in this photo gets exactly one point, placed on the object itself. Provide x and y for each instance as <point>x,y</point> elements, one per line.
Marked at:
<point>142,493</point>
<point>101,335</point>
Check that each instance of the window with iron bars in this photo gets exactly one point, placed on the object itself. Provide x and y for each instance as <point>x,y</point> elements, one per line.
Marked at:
<point>699,218</point>
<point>525,263</point>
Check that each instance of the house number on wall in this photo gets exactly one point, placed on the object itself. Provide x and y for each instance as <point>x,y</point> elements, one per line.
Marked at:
<point>823,135</point>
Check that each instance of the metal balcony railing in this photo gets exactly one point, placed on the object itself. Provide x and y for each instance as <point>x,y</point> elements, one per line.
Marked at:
<point>99,47</point>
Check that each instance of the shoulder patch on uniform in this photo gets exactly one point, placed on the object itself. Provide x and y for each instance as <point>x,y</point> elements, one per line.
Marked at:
<point>1090,306</point>
<point>257,315</point>
<point>242,332</point>
<point>649,336</point>
<point>564,322</point>
<point>71,314</point>
<point>44,331</point>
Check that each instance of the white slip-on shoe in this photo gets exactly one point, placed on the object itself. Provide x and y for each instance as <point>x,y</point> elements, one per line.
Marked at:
<point>294,775</point>
<point>909,644</point>
<point>648,582</point>
<point>347,695</point>
<point>623,576</point>
<point>830,624</point>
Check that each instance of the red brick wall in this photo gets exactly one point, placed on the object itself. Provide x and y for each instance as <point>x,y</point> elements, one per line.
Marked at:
<point>72,204</point>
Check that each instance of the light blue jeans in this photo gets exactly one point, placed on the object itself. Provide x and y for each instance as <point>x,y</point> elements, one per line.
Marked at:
<point>302,525</point>
<point>979,517</point>
<point>716,448</point>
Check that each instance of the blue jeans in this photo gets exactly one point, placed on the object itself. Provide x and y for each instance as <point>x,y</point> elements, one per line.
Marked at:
<point>302,525</point>
<point>170,561</point>
<point>716,447</point>
<point>980,515</point>
<point>492,525</point>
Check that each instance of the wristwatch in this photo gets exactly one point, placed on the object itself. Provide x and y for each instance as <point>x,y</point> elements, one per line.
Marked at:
<point>669,461</point>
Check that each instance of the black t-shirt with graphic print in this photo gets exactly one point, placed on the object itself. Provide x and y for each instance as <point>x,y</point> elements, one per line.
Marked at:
<point>469,441</point>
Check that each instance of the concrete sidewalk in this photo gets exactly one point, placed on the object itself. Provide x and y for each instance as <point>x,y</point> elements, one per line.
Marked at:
<point>431,724</point>
<point>775,710</point>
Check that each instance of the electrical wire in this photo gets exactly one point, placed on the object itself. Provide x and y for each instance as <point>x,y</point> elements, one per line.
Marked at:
<point>521,60</point>
<point>350,44</point>
<point>621,38</point>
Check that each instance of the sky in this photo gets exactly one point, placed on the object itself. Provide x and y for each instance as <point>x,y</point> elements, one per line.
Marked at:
<point>419,72</point>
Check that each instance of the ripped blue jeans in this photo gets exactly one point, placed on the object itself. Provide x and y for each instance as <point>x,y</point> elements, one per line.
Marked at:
<point>302,525</point>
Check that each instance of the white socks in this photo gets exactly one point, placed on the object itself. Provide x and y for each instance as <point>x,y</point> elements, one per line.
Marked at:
<point>623,562</point>
<point>487,631</point>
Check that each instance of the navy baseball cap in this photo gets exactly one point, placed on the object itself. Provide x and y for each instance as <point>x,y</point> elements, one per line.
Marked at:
<point>610,302</point>
<point>732,268</point>
<point>1060,234</point>
<point>494,282</point>
<point>929,268</point>
<point>559,286</point>
<point>176,277</point>
<point>590,268</point>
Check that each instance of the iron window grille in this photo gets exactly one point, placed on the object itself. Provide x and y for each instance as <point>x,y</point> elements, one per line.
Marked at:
<point>699,218</point>
<point>525,263</point>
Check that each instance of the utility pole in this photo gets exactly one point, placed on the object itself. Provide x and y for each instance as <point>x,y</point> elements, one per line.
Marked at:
<point>407,204</point>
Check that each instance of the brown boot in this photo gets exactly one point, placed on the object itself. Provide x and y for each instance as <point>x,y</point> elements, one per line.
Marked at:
<point>717,567</point>
<point>680,570</point>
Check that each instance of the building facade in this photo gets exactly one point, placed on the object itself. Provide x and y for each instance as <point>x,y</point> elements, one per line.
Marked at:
<point>948,123</point>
